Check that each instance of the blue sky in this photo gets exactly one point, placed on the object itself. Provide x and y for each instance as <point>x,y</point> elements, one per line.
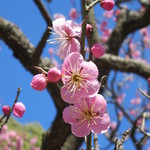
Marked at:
<point>39,106</point>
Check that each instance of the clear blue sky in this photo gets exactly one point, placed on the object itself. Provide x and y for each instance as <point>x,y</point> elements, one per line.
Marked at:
<point>39,106</point>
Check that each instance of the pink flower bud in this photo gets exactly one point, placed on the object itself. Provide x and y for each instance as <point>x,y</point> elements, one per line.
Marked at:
<point>19,109</point>
<point>73,14</point>
<point>97,50</point>
<point>6,110</point>
<point>149,80</point>
<point>107,4</point>
<point>54,74</point>
<point>39,82</point>
<point>89,28</point>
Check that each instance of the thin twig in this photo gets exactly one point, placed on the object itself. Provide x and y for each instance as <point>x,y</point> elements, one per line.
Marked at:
<point>144,93</point>
<point>40,70</point>
<point>96,142</point>
<point>40,46</point>
<point>88,8</point>
<point>8,116</point>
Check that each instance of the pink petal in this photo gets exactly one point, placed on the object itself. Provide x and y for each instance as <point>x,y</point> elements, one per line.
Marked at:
<point>101,126</point>
<point>91,90</point>
<point>80,130</point>
<point>68,96</point>
<point>75,45</point>
<point>70,62</point>
<point>68,47</point>
<point>58,25</point>
<point>69,115</point>
<point>91,69</point>
<point>76,28</point>
<point>100,104</point>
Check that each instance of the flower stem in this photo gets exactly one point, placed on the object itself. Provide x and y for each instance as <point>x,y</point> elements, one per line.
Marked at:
<point>89,144</point>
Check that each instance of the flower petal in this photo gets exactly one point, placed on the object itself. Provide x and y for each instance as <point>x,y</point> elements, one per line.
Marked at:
<point>80,130</point>
<point>76,28</point>
<point>90,69</point>
<point>102,125</point>
<point>68,96</point>
<point>71,61</point>
<point>69,115</point>
<point>90,89</point>
<point>68,47</point>
<point>100,104</point>
<point>58,25</point>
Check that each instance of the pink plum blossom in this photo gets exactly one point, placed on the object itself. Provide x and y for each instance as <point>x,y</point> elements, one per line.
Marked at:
<point>148,80</point>
<point>89,29</point>
<point>147,41</point>
<point>97,50</point>
<point>58,15</point>
<point>33,141</point>
<point>39,82</point>
<point>133,112</point>
<point>120,115</point>
<point>113,125</point>
<point>87,114</point>
<point>51,51</point>
<point>117,12</point>
<point>103,25</point>
<point>136,101</point>
<point>6,110</point>
<point>73,14</point>
<point>107,4</point>
<point>148,106</point>
<point>108,14</point>
<point>19,143</point>
<point>54,74</point>
<point>136,54</point>
<point>120,98</point>
<point>79,78</point>
<point>67,35</point>
<point>19,109</point>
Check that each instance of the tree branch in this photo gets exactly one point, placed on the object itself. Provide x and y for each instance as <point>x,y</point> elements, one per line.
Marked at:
<point>138,67</point>
<point>23,50</point>
<point>42,42</point>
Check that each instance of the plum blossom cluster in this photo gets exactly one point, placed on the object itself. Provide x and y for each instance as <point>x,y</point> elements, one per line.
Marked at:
<point>67,35</point>
<point>87,110</point>
<point>80,89</point>
<point>40,81</point>
<point>18,109</point>
<point>11,139</point>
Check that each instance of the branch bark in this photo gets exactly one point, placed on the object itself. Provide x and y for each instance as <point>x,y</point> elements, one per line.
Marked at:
<point>23,50</point>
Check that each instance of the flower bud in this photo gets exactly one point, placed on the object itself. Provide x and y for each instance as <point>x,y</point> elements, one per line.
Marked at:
<point>39,82</point>
<point>97,50</point>
<point>149,80</point>
<point>73,14</point>
<point>19,109</point>
<point>107,4</point>
<point>6,110</point>
<point>89,29</point>
<point>54,74</point>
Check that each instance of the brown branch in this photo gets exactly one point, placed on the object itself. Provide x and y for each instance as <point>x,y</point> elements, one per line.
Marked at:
<point>23,50</point>
<point>144,93</point>
<point>42,42</point>
<point>109,61</point>
<point>43,12</point>
<point>127,22</point>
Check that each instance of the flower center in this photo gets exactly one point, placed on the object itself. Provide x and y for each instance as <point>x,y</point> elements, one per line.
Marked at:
<point>88,115</point>
<point>76,78</point>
